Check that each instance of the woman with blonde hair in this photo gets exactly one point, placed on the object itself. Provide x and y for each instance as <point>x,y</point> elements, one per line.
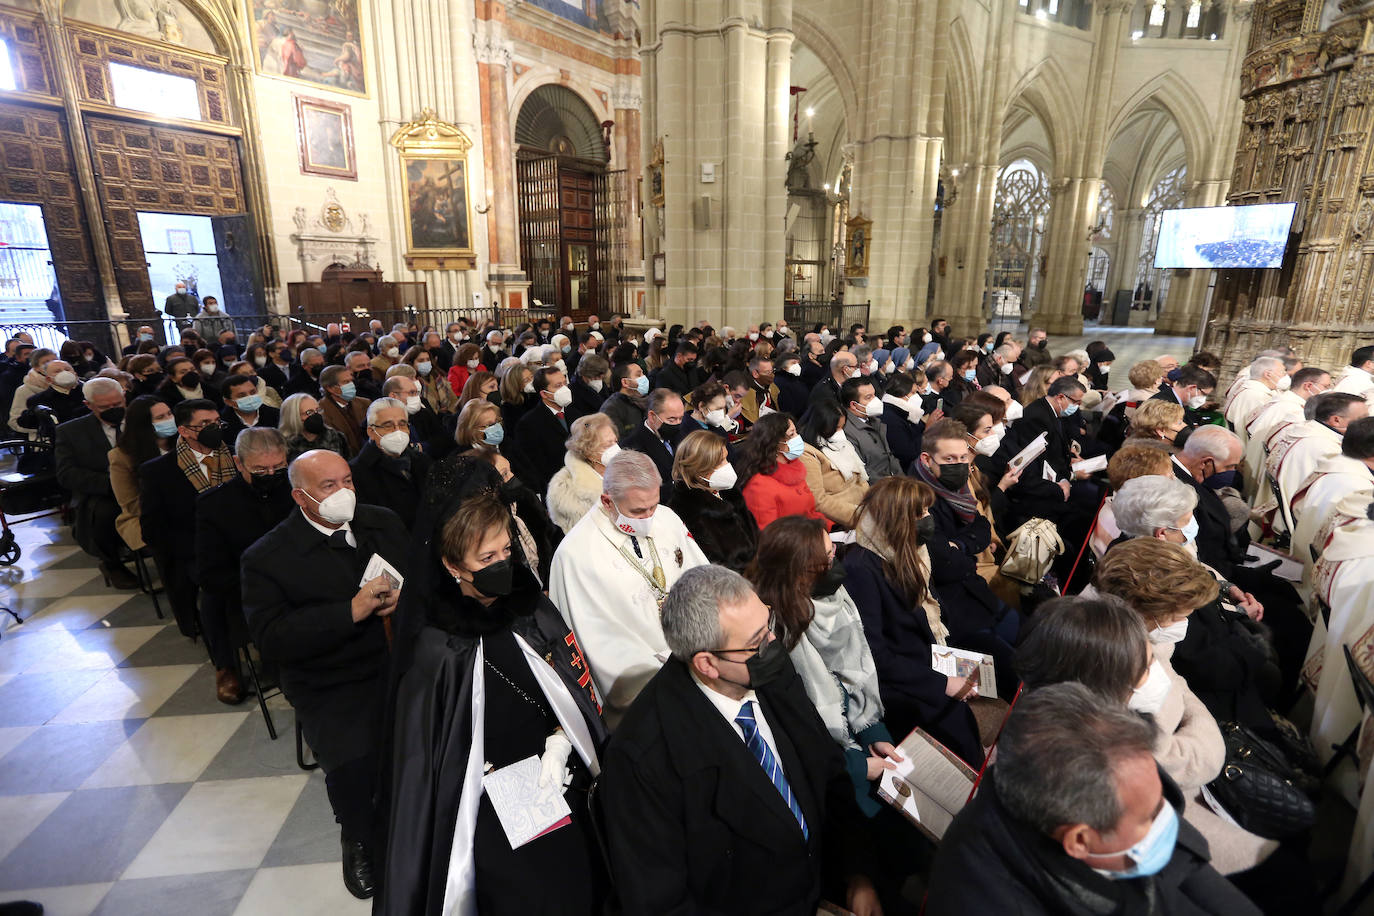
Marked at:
<point>517,395</point>
<point>1157,420</point>
<point>708,502</point>
<point>1037,385</point>
<point>577,485</point>
<point>479,423</point>
<point>887,573</point>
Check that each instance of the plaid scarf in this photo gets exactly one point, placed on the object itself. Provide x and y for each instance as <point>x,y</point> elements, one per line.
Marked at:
<point>220,466</point>
<point>964,504</point>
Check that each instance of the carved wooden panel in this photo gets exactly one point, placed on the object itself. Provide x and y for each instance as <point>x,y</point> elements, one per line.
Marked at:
<point>140,167</point>
<point>36,168</point>
<point>94,50</point>
<point>30,55</point>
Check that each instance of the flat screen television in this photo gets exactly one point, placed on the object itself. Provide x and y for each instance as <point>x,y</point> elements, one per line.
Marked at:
<point>1216,237</point>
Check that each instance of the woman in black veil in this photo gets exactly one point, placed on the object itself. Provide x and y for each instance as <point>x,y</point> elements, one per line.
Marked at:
<point>485,673</point>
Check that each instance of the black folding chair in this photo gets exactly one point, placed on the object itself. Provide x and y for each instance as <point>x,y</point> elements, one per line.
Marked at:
<point>1364,692</point>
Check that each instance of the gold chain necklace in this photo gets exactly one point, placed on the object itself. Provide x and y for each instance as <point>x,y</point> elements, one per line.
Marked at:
<point>657,580</point>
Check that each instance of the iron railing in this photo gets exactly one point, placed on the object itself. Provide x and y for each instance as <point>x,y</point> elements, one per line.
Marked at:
<point>110,337</point>
<point>805,314</point>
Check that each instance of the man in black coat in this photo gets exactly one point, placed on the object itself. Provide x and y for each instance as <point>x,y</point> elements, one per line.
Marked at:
<point>168,486</point>
<point>842,366</point>
<point>588,384</point>
<point>306,378</point>
<point>792,391</point>
<point>538,451</point>
<point>426,427</point>
<point>1026,845</point>
<point>388,470</point>
<point>1034,495</point>
<point>63,396</point>
<point>228,519</point>
<point>722,790</point>
<point>1191,388</point>
<point>657,436</point>
<point>307,612</point>
<point>82,454</point>
<point>680,374</point>
<point>363,377</point>
<point>243,408</point>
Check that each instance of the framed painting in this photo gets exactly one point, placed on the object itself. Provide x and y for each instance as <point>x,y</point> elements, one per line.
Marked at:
<point>434,161</point>
<point>858,236</point>
<point>312,41</point>
<point>324,138</point>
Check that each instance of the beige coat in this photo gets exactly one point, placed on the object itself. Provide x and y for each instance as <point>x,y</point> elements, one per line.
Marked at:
<point>1191,750</point>
<point>124,481</point>
<point>572,491</point>
<point>837,497</point>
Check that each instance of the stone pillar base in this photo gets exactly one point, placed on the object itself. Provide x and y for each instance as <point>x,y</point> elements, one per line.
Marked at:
<point>1177,325</point>
<point>1063,325</point>
<point>510,288</point>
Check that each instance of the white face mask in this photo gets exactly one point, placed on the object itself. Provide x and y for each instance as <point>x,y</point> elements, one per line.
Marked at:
<point>1173,633</point>
<point>394,443</point>
<point>716,417</point>
<point>595,384</point>
<point>337,507</point>
<point>872,365</point>
<point>1014,411</point>
<point>939,355</point>
<point>989,445</point>
<point>754,335</point>
<point>999,430</point>
<point>260,361</point>
<point>1285,382</point>
<point>413,404</point>
<point>474,363</point>
<point>529,388</point>
<point>1006,368</point>
<point>636,527</point>
<point>1197,401</point>
<point>888,367</point>
<point>561,366</point>
<point>610,452</point>
<point>794,369</point>
<point>873,409</point>
<point>65,379</point>
<point>909,364</point>
<point>926,338</point>
<point>1150,698</point>
<point>392,352</point>
<point>722,478</point>
<point>855,372</point>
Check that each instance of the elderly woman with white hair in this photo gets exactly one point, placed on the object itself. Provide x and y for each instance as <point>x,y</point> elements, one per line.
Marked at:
<point>575,488</point>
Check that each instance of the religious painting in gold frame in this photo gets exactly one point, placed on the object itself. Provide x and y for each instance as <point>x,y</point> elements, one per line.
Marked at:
<point>310,41</point>
<point>434,168</point>
<point>858,238</point>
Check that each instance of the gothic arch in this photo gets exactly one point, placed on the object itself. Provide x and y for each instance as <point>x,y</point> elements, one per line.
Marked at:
<point>1178,98</point>
<point>1044,90</point>
<point>817,39</point>
<point>960,115</point>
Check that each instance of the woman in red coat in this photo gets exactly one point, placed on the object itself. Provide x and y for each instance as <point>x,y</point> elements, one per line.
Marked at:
<point>769,463</point>
<point>465,363</point>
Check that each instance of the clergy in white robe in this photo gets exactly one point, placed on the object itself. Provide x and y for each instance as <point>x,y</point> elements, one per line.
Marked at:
<point>1253,394</point>
<point>1335,478</point>
<point>1284,409</point>
<point>1344,578</point>
<point>1358,377</point>
<point>609,582</point>
<point>1295,458</point>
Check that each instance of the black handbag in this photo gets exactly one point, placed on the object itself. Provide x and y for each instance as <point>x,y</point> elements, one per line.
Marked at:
<point>1258,787</point>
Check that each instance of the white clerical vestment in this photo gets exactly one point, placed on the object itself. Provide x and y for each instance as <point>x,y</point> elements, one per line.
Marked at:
<point>610,598</point>
<point>1295,457</point>
<point>1249,399</point>
<point>1355,381</point>
<point>1284,409</point>
<point>1335,478</point>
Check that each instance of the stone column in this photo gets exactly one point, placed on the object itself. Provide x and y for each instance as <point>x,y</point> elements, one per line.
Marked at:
<point>629,156</point>
<point>1074,211</point>
<point>717,87</point>
<point>509,284</point>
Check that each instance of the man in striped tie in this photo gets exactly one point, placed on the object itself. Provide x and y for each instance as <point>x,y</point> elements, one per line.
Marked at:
<point>721,789</point>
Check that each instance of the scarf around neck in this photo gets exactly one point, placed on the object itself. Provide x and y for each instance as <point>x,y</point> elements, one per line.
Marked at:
<point>869,538</point>
<point>963,502</point>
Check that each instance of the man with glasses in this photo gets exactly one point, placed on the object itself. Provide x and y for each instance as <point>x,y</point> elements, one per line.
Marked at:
<point>1285,409</point>
<point>722,791</point>
<point>657,436</point>
<point>168,486</point>
<point>388,471</point>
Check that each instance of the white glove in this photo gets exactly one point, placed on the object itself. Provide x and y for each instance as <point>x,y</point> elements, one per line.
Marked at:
<point>553,765</point>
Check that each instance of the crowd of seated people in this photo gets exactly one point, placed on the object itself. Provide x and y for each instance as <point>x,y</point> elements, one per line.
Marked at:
<point>635,553</point>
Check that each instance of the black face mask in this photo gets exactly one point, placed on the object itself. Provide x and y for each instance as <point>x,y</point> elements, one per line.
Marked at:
<point>150,381</point>
<point>670,432</point>
<point>767,665</point>
<point>314,424</point>
<point>496,580</point>
<point>925,529</point>
<point>512,487</point>
<point>114,416</point>
<point>1041,344</point>
<point>269,484</point>
<point>953,476</point>
<point>211,436</point>
<point>829,582</point>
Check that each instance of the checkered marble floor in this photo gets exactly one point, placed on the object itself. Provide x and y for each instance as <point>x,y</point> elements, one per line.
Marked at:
<point>125,786</point>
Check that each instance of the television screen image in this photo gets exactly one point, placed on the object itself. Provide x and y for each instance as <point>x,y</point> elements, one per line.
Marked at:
<point>1216,237</point>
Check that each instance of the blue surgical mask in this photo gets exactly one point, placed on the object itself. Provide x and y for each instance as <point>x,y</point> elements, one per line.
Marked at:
<point>642,384</point>
<point>1190,530</point>
<point>249,403</point>
<point>1154,850</point>
<point>1070,410</point>
<point>794,448</point>
<point>143,337</point>
<point>494,434</point>
<point>423,368</point>
<point>348,391</point>
<point>566,348</point>
<point>165,429</point>
<point>970,375</point>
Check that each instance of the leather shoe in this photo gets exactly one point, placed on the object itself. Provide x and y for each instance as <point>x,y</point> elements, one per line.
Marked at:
<point>228,687</point>
<point>116,576</point>
<point>357,869</point>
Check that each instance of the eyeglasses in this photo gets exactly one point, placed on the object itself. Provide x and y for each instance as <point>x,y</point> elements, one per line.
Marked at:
<point>307,414</point>
<point>392,426</point>
<point>206,425</point>
<point>772,630</point>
